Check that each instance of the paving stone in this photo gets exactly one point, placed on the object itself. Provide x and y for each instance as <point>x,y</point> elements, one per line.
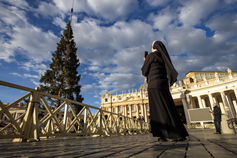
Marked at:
<point>201,143</point>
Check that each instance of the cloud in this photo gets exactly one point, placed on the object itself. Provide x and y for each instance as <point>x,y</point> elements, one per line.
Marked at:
<point>59,22</point>
<point>112,82</point>
<point>89,87</point>
<point>15,74</point>
<point>156,3</point>
<point>47,9</point>
<point>22,4</point>
<point>22,37</point>
<point>164,18</point>
<point>111,44</point>
<point>36,83</point>
<point>193,12</point>
<point>11,15</point>
<point>31,76</point>
<point>29,41</point>
<point>24,75</point>
<point>32,65</point>
<point>100,44</point>
<point>94,68</point>
<point>112,9</point>
<point>107,10</point>
<point>224,27</point>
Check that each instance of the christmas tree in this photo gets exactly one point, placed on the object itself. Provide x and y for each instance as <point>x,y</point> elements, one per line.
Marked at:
<point>62,79</point>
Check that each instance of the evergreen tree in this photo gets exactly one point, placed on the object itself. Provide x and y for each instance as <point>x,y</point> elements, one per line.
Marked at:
<point>62,78</point>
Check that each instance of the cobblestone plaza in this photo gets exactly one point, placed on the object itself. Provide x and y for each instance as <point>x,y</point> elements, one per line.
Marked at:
<point>201,143</point>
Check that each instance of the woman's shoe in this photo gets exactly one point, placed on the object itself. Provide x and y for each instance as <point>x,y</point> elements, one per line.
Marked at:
<point>162,140</point>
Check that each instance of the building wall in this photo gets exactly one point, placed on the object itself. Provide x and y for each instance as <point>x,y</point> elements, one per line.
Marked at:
<point>204,89</point>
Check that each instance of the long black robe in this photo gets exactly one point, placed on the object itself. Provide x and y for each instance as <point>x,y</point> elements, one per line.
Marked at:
<point>164,119</point>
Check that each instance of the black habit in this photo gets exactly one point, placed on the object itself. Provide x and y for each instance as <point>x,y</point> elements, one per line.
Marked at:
<point>164,119</point>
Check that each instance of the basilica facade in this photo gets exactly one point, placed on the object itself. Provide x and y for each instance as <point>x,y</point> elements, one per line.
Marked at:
<point>199,89</point>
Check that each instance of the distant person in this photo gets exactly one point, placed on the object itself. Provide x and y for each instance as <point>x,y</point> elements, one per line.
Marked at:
<point>217,118</point>
<point>164,118</point>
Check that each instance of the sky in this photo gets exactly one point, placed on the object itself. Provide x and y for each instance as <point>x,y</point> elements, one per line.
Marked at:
<point>111,37</point>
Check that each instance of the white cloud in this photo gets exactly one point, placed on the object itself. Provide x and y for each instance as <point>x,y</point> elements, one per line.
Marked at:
<point>112,9</point>
<point>164,18</point>
<point>36,83</point>
<point>31,76</point>
<point>29,41</point>
<point>15,74</point>
<point>47,9</point>
<point>94,68</point>
<point>224,25</point>
<point>109,10</point>
<point>89,87</point>
<point>156,3</point>
<point>192,12</point>
<point>11,15</point>
<point>18,3</point>
<point>32,65</point>
<point>113,82</point>
<point>100,44</point>
<point>112,53</point>
<point>59,22</point>
<point>24,75</point>
<point>25,39</point>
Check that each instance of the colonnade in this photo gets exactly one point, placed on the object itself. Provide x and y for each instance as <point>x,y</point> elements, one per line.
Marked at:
<point>132,110</point>
<point>226,99</point>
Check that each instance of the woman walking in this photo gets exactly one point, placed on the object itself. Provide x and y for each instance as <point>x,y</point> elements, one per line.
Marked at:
<point>164,119</point>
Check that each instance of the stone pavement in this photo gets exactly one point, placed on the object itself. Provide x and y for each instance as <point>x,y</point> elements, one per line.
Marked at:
<point>201,143</point>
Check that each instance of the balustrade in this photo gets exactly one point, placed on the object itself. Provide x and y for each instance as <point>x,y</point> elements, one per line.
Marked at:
<point>29,126</point>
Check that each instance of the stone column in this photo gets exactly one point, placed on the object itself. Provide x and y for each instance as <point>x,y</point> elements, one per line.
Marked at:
<point>185,108</point>
<point>234,101</point>
<point>235,105</point>
<point>215,100</point>
<point>142,108</point>
<point>231,105</point>
<point>224,125</point>
<point>235,90</point>
<point>130,111</point>
<point>189,102</point>
<point>193,103</point>
<point>125,110</point>
<point>226,106</point>
<point>211,100</point>
<point>203,103</point>
<point>117,109</point>
<point>145,111</point>
<point>137,111</point>
<point>200,102</point>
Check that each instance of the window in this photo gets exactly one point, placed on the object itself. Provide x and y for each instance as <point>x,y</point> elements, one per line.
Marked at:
<point>106,100</point>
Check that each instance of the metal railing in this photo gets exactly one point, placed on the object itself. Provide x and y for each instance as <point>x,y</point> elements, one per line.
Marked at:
<point>29,126</point>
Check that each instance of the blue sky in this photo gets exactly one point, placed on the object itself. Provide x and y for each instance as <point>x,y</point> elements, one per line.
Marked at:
<point>111,37</point>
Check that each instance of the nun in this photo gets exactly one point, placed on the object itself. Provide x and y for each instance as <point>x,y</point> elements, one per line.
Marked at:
<point>160,72</point>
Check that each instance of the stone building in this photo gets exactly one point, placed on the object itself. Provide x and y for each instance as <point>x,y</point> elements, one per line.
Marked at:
<point>198,89</point>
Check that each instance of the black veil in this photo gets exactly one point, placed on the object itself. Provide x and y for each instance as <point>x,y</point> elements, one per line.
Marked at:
<point>170,70</point>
